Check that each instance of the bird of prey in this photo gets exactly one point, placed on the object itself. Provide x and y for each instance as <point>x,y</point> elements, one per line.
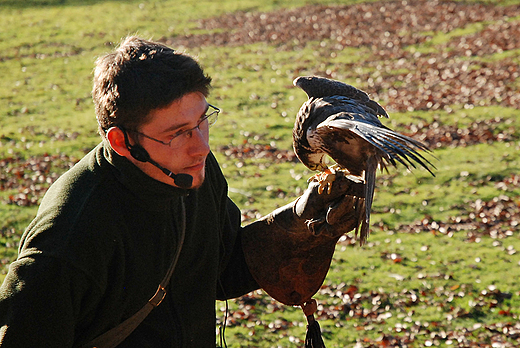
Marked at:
<point>342,122</point>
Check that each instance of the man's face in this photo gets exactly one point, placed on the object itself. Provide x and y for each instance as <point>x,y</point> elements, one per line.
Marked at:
<point>163,124</point>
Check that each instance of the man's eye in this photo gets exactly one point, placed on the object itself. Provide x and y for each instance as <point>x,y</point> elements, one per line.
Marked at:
<point>176,134</point>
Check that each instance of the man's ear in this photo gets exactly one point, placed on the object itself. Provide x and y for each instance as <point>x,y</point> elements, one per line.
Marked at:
<point>116,139</point>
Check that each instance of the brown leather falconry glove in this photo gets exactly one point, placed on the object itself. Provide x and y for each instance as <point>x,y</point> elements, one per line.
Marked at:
<point>289,251</point>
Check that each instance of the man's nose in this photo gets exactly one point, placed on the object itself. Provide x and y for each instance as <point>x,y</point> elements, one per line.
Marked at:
<point>199,142</point>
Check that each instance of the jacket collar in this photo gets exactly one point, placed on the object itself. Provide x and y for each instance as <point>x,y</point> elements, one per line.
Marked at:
<point>154,195</point>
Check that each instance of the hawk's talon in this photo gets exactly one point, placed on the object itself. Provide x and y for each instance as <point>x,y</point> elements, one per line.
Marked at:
<point>325,178</point>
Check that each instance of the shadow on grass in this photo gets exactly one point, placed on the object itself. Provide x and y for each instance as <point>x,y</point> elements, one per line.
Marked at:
<point>17,4</point>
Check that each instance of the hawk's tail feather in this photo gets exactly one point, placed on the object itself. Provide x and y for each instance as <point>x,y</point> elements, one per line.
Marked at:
<point>370,184</point>
<point>362,228</point>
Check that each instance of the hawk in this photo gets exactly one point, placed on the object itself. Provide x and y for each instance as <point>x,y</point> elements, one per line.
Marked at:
<point>342,122</point>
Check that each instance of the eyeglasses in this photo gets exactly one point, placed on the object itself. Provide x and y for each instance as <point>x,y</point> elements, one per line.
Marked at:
<point>180,138</point>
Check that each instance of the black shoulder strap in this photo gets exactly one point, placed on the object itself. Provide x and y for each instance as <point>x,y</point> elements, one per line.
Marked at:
<point>116,335</point>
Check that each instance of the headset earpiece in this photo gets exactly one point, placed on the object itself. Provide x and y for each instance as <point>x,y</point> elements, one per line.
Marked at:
<point>136,151</point>
<point>139,153</point>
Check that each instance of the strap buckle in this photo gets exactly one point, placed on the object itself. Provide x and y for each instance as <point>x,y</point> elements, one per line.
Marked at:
<point>159,296</point>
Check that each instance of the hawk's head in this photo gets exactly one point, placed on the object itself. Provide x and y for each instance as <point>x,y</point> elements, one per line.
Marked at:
<point>306,143</point>
<point>312,160</point>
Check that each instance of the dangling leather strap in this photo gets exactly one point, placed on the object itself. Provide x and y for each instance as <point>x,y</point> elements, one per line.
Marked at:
<point>313,338</point>
<point>116,335</point>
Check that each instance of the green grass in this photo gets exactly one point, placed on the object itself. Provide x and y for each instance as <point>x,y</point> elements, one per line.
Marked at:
<point>48,49</point>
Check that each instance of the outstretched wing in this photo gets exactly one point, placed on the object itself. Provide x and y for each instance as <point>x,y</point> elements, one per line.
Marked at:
<point>344,135</point>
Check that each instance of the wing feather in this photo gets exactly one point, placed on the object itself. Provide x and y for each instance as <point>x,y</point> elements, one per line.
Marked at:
<point>393,146</point>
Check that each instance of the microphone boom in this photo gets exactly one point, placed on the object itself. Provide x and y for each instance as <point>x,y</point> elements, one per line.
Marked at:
<point>182,180</point>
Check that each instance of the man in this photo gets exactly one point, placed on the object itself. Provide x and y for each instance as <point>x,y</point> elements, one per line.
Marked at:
<point>150,196</point>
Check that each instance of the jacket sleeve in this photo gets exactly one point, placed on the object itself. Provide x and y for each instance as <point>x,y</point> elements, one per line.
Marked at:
<point>40,301</point>
<point>235,279</point>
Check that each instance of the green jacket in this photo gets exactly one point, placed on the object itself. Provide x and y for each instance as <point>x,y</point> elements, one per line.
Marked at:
<point>102,241</point>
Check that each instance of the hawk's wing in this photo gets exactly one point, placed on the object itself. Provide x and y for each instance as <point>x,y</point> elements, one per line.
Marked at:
<point>319,87</point>
<point>344,135</point>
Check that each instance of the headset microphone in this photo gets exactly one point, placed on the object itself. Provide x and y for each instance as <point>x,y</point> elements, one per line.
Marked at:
<point>182,180</point>
<point>139,153</point>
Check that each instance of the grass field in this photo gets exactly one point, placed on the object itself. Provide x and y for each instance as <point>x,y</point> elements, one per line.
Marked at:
<point>441,266</point>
